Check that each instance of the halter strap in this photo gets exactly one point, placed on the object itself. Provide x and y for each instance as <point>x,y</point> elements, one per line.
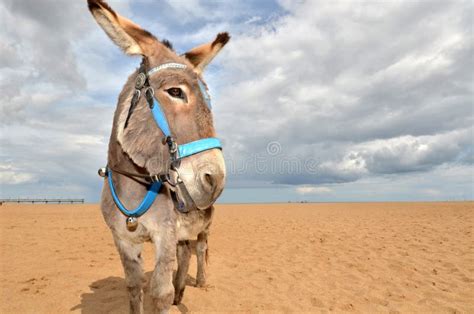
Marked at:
<point>198,146</point>
<point>152,192</point>
<point>205,94</point>
<point>158,115</point>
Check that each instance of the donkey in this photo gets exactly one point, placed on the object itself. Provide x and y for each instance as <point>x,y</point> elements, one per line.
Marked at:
<point>163,115</point>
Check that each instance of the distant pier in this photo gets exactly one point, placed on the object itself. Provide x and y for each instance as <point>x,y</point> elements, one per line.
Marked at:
<point>43,200</point>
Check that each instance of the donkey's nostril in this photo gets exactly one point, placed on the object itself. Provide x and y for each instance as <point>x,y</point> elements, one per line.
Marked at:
<point>209,182</point>
<point>209,179</point>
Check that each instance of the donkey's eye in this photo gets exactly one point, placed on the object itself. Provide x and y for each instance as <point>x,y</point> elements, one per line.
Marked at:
<point>176,92</point>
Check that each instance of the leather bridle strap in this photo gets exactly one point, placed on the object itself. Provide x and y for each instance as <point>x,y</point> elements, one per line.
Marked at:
<point>148,179</point>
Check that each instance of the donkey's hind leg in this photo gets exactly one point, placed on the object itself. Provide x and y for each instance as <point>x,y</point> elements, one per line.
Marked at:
<point>183,253</point>
<point>201,254</point>
<point>132,261</point>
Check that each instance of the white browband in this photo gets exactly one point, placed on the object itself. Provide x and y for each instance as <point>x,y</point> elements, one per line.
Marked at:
<point>163,66</point>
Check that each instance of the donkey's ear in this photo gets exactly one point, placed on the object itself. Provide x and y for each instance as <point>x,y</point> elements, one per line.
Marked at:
<point>202,55</point>
<point>130,37</point>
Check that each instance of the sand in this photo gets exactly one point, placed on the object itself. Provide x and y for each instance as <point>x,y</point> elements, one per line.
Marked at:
<point>362,257</point>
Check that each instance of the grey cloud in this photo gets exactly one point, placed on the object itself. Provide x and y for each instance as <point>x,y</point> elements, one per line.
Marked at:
<point>52,130</point>
<point>348,76</point>
<point>414,154</point>
<point>42,34</point>
<point>38,63</point>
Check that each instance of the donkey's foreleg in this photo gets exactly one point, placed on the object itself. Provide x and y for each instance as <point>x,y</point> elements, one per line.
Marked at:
<point>183,253</point>
<point>201,254</point>
<point>161,285</point>
<point>132,261</point>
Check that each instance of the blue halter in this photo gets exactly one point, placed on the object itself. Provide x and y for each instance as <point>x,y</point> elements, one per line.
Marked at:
<point>183,150</point>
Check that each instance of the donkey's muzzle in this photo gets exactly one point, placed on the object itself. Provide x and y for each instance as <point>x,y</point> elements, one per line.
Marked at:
<point>204,177</point>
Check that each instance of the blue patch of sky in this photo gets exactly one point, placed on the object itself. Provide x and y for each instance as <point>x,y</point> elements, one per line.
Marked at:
<point>238,16</point>
<point>160,18</point>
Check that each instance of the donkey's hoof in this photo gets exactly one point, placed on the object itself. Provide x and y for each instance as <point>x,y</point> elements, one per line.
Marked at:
<point>178,297</point>
<point>201,282</point>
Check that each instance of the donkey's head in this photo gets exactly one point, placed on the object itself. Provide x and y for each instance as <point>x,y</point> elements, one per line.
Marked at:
<point>182,97</point>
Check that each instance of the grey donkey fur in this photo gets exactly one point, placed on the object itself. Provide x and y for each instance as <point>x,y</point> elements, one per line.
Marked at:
<point>138,148</point>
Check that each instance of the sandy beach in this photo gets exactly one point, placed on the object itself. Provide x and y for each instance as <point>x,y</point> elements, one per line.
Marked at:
<point>341,257</point>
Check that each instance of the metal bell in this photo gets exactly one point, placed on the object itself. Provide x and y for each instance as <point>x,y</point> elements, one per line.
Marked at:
<point>132,223</point>
<point>102,172</point>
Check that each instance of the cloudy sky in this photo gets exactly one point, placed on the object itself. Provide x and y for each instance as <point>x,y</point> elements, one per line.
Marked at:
<point>314,100</point>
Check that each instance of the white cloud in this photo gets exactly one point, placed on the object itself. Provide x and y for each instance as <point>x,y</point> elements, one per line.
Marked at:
<point>431,192</point>
<point>303,190</point>
<point>409,153</point>
<point>10,175</point>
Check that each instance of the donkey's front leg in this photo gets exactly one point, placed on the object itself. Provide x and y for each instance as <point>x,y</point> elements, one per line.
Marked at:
<point>132,261</point>
<point>161,285</point>
<point>201,254</point>
<point>184,254</point>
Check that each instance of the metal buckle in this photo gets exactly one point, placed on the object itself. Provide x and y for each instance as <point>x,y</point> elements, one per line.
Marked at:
<point>161,177</point>
<point>173,147</point>
<point>151,90</point>
<point>173,179</point>
<point>136,95</point>
<point>155,178</point>
<point>149,94</point>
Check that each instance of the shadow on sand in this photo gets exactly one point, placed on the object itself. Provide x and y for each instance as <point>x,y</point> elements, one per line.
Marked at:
<point>109,295</point>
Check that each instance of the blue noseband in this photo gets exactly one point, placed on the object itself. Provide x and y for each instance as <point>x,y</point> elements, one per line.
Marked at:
<point>182,151</point>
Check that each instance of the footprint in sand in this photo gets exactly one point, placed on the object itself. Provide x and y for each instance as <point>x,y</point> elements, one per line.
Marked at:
<point>35,285</point>
<point>317,302</point>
